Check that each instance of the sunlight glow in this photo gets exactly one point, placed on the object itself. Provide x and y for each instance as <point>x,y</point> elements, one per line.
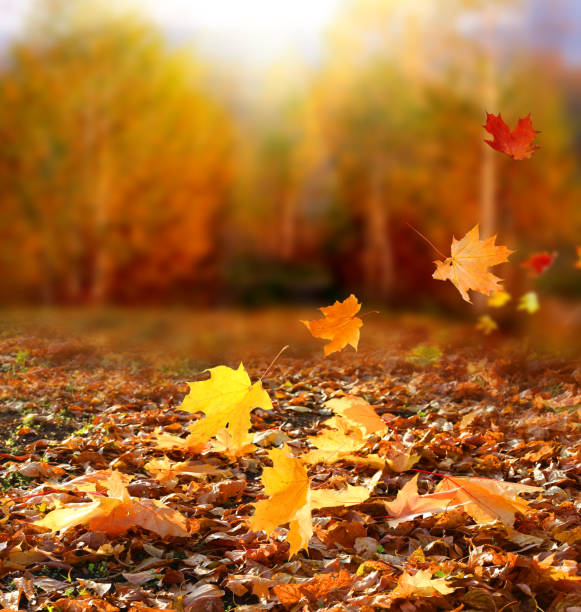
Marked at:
<point>252,31</point>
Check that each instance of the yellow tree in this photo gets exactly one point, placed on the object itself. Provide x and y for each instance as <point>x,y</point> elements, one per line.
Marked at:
<point>114,158</point>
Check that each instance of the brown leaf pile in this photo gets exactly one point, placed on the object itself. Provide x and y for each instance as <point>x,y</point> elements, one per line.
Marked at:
<point>80,432</point>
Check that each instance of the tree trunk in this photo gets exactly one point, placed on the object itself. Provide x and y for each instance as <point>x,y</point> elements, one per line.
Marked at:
<point>378,270</point>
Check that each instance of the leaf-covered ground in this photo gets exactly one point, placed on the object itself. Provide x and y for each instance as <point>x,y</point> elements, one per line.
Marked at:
<point>68,409</point>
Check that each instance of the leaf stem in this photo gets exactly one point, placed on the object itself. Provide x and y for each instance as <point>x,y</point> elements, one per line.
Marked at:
<point>427,240</point>
<point>368,313</point>
<point>282,350</point>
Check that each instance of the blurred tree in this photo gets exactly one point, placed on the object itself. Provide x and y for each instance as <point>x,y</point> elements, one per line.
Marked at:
<point>114,159</point>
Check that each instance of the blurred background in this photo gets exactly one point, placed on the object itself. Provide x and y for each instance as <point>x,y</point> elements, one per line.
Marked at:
<point>232,153</point>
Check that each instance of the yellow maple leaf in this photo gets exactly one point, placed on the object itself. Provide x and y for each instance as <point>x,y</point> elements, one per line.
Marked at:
<point>420,584</point>
<point>226,398</point>
<point>340,325</point>
<point>359,413</point>
<point>227,445</point>
<point>333,444</point>
<point>467,268</point>
<point>118,512</point>
<point>291,499</point>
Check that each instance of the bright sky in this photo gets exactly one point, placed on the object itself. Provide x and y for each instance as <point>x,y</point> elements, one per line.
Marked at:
<point>253,31</point>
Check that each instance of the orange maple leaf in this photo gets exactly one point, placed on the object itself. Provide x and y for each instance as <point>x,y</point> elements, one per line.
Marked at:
<point>487,500</point>
<point>118,512</point>
<point>408,504</point>
<point>340,325</point>
<point>516,144</point>
<point>578,262</point>
<point>467,268</point>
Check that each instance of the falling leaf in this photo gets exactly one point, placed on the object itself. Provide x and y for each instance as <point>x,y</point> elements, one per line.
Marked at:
<point>578,262</point>
<point>408,504</point>
<point>498,299</point>
<point>340,325</point>
<point>539,262</point>
<point>420,584</point>
<point>467,268</point>
<point>291,499</point>
<point>487,500</point>
<point>359,413</point>
<point>516,144</point>
<point>226,398</point>
<point>117,513</point>
<point>486,324</point>
<point>529,302</point>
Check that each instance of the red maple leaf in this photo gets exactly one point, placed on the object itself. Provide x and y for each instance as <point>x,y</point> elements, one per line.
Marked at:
<point>539,262</point>
<point>516,144</point>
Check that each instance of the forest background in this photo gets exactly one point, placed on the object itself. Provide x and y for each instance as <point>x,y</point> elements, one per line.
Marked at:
<point>137,169</point>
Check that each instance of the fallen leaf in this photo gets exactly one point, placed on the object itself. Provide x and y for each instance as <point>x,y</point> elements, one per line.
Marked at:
<point>167,472</point>
<point>359,413</point>
<point>117,513</point>
<point>467,268</point>
<point>230,447</point>
<point>340,325</point>
<point>408,504</point>
<point>316,591</point>
<point>399,458</point>
<point>291,499</point>
<point>516,144</point>
<point>420,584</point>
<point>333,444</point>
<point>487,500</point>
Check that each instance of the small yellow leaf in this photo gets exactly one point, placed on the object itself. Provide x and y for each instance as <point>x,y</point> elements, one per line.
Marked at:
<point>498,299</point>
<point>529,302</point>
